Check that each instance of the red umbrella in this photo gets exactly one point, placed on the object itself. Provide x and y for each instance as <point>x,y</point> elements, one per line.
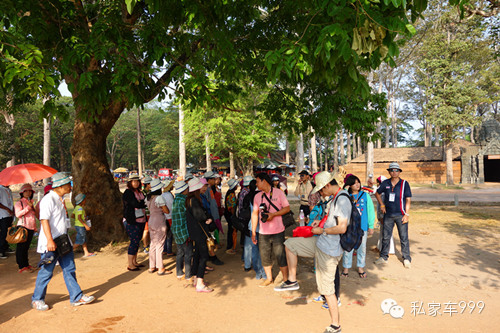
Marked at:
<point>25,173</point>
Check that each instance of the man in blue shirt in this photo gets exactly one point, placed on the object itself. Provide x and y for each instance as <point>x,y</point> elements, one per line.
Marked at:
<point>396,207</point>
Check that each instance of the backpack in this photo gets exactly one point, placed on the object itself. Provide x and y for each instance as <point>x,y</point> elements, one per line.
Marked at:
<point>353,235</point>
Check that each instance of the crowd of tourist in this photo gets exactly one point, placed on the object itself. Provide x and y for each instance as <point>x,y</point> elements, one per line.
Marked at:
<point>191,217</point>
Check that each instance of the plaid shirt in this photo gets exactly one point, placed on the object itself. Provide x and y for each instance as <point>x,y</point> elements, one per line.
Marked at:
<point>179,223</point>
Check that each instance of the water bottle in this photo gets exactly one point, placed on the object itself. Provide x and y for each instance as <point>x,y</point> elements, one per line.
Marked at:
<point>302,218</point>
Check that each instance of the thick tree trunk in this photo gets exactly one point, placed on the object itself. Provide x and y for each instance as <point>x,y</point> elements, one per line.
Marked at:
<point>336,151</point>
<point>449,163</point>
<point>92,177</point>
<point>182,144</point>
<point>287,152</point>
<point>207,152</point>
<point>349,155</point>
<point>313,152</point>
<point>342,149</point>
<point>300,154</point>
<point>231,165</point>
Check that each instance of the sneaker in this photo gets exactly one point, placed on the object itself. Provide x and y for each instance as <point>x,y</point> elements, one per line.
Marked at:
<point>3,256</point>
<point>325,305</point>
<point>248,269</point>
<point>319,299</point>
<point>331,329</point>
<point>84,300</point>
<point>380,261</point>
<point>10,251</point>
<point>407,263</point>
<point>39,305</point>
<point>287,285</point>
<point>218,262</point>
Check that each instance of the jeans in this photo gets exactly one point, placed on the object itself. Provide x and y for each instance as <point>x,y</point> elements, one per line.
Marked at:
<point>5,224</point>
<point>184,258</point>
<point>252,257</point>
<point>389,222</point>
<point>170,237</point>
<point>360,253</point>
<point>134,232</point>
<point>22,251</point>
<point>67,264</point>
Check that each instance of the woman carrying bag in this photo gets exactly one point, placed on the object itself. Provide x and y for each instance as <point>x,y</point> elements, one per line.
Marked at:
<point>199,224</point>
<point>25,212</point>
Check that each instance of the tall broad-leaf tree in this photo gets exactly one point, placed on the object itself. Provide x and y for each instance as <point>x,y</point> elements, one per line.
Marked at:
<point>121,54</point>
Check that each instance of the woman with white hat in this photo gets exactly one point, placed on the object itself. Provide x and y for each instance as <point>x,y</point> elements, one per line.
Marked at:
<point>25,212</point>
<point>200,224</point>
<point>157,227</point>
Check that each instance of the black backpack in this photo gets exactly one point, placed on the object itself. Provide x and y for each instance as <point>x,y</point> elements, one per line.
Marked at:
<point>353,235</point>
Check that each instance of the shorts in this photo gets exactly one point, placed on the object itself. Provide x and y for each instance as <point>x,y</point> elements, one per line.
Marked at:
<point>326,265</point>
<point>81,235</point>
<point>272,244</point>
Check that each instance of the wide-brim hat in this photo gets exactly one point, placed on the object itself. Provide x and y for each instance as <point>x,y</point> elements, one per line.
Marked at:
<point>169,185</point>
<point>209,174</point>
<point>26,187</point>
<point>394,165</point>
<point>275,178</point>
<point>326,177</point>
<point>156,185</point>
<point>180,187</point>
<point>232,183</point>
<point>79,198</point>
<point>188,176</point>
<point>203,181</point>
<point>134,176</point>
<point>194,184</point>
<point>247,180</point>
<point>60,179</point>
<point>147,180</point>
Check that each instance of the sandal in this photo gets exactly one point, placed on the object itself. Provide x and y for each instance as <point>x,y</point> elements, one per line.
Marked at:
<point>208,268</point>
<point>153,270</point>
<point>135,269</point>
<point>362,275</point>
<point>164,272</point>
<point>205,289</point>
<point>344,274</point>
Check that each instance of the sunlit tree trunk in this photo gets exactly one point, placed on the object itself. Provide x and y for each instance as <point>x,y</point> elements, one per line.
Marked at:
<point>231,165</point>
<point>342,149</point>
<point>349,154</point>
<point>207,152</point>
<point>314,154</point>
<point>139,145</point>
<point>300,154</point>
<point>336,151</point>
<point>182,144</point>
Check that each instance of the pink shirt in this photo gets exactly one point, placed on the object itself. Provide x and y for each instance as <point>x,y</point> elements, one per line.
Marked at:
<point>278,198</point>
<point>25,214</point>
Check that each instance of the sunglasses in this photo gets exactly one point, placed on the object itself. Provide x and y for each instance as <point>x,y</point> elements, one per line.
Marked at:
<point>394,170</point>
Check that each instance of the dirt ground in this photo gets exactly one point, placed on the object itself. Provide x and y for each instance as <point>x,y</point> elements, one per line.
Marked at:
<point>456,264</point>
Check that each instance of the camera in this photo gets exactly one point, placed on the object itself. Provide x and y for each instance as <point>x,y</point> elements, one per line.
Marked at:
<point>264,214</point>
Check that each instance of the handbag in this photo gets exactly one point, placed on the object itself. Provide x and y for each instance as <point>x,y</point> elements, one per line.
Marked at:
<point>210,241</point>
<point>16,235</point>
<point>240,224</point>
<point>287,218</point>
<point>63,245</point>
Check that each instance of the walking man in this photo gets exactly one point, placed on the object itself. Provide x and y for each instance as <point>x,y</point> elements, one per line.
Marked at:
<point>396,207</point>
<point>55,222</point>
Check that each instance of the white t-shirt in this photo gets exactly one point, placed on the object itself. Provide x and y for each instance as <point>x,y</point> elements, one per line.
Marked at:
<point>169,200</point>
<point>6,200</point>
<point>52,208</point>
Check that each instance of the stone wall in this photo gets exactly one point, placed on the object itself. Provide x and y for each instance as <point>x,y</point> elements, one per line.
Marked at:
<point>413,172</point>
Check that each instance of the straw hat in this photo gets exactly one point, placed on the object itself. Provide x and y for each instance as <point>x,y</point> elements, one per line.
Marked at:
<point>326,177</point>
<point>232,183</point>
<point>60,179</point>
<point>133,176</point>
<point>169,185</point>
<point>209,174</point>
<point>394,165</point>
<point>247,180</point>
<point>194,184</point>
<point>79,198</point>
<point>26,187</point>
<point>156,185</point>
<point>180,187</point>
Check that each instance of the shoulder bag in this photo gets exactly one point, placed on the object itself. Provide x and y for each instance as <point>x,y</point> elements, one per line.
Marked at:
<point>287,218</point>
